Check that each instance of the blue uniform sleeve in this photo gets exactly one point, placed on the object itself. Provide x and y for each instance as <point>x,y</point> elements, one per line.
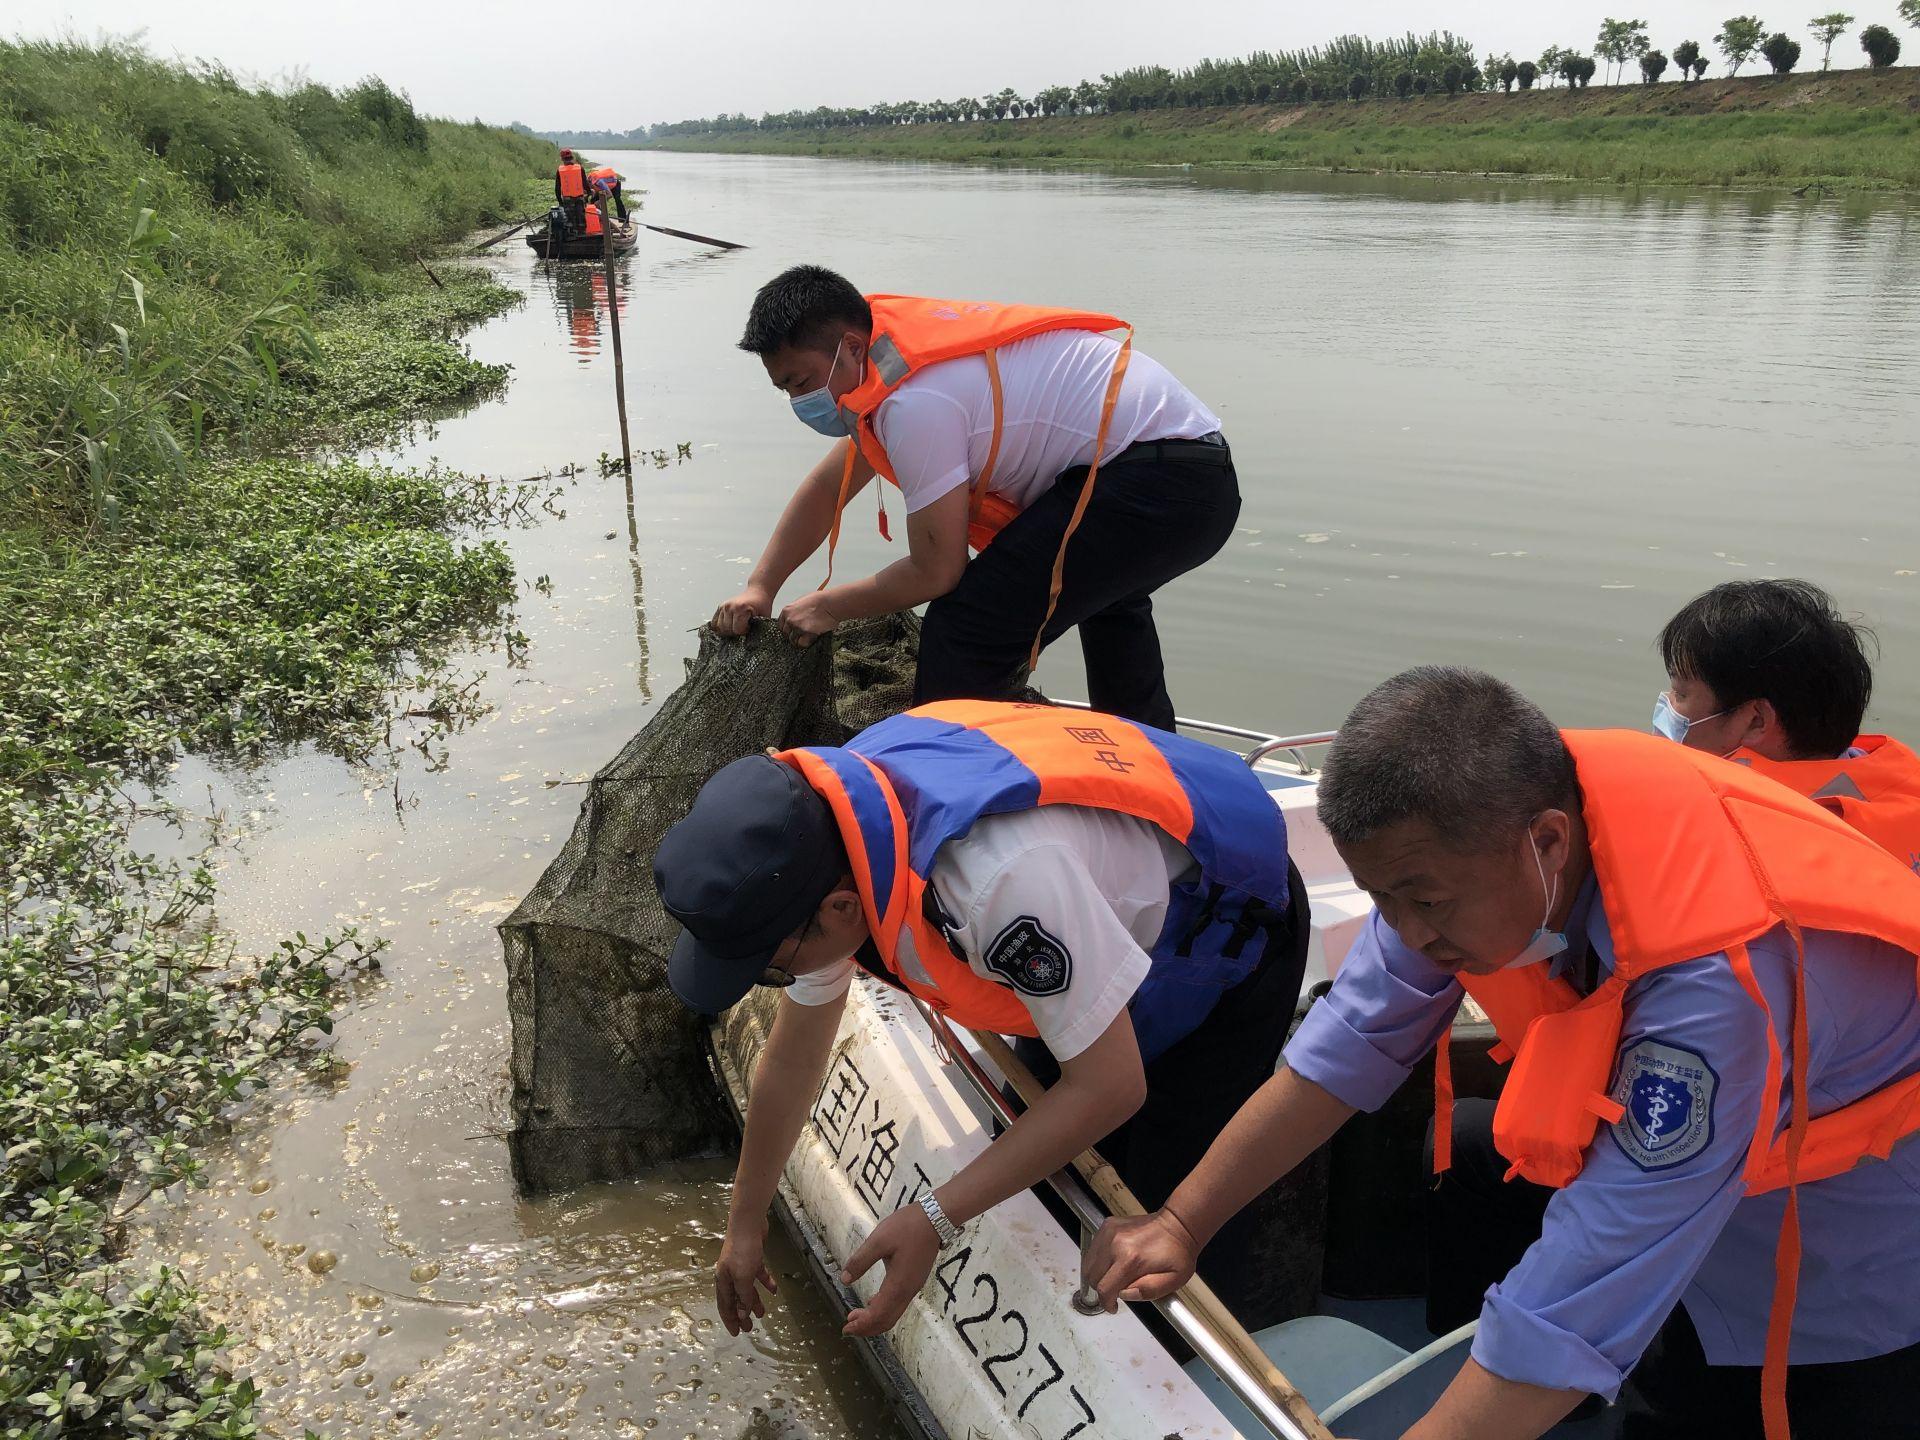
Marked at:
<point>1386,1009</point>
<point>1625,1239</point>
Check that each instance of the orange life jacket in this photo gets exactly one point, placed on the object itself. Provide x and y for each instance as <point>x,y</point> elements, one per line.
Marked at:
<point>903,788</point>
<point>1877,793</point>
<point>1696,856</point>
<point>910,334</point>
<point>594,227</point>
<point>605,178</point>
<point>573,180</point>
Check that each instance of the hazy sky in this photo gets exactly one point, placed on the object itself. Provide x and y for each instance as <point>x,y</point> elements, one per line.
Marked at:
<point>617,65</point>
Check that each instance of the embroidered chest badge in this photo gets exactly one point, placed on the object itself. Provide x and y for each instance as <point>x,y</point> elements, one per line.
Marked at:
<point>1667,1092</point>
<point>1030,959</point>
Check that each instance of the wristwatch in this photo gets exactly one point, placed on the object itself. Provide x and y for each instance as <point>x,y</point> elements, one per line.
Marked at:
<point>942,1226</point>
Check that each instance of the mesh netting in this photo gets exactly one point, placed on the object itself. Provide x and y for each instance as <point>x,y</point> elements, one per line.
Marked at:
<point>609,1069</point>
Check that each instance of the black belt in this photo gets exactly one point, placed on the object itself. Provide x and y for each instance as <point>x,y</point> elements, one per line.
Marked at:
<point>1207,449</point>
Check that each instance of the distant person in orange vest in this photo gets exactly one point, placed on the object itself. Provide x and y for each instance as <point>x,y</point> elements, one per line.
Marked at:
<point>606,181</point>
<point>1707,984</point>
<point>570,189</point>
<point>1771,675</point>
<point>989,419</point>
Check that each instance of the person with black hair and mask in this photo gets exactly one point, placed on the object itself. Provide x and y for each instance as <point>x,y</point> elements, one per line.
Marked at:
<point>1771,675</point>
<point>1012,429</point>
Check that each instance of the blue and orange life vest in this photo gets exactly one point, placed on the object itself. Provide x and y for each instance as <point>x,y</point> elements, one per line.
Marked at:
<point>905,787</point>
<point>911,333</point>
<point>1878,792</point>
<point>1696,856</point>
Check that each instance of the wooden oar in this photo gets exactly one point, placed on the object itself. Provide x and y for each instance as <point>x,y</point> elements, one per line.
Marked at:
<point>502,235</point>
<point>697,239</point>
<point>1112,1191</point>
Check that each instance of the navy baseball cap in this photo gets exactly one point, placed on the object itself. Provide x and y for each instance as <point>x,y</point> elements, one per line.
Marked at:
<point>745,870</point>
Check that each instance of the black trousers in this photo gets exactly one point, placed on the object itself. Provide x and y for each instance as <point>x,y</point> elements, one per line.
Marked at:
<point>1197,1085</point>
<point>1150,519</point>
<point>1477,1229</point>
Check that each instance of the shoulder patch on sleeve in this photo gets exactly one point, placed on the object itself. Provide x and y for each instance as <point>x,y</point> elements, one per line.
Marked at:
<point>1029,959</point>
<point>1667,1091</point>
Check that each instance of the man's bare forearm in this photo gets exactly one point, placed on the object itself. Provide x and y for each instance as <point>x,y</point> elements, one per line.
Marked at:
<point>783,1085</point>
<point>1286,1120</point>
<point>1067,1120</point>
<point>899,586</point>
<point>804,524</point>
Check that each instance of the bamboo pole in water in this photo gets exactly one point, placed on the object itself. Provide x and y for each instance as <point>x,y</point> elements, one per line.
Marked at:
<point>496,239</point>
<point>613,317</point>
<point>1112,1191</point>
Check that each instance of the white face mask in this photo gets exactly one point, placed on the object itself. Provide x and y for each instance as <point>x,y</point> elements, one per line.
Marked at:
<point>818,409</point>
<point>1545,943</point>
<point>1669,722</point>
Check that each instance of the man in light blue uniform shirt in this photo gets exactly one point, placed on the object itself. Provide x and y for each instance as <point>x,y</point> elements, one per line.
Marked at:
<point>1652,1270</point>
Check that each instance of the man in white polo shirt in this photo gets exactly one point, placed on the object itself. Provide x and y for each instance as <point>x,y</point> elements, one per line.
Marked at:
<point>1152,970</point>
<point>989,418</point>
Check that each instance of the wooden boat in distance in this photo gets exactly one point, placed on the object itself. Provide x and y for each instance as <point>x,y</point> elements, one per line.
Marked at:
<point>583,247</point>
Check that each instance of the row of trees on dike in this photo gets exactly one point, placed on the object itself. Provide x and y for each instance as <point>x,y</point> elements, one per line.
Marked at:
<point>1351,67</point>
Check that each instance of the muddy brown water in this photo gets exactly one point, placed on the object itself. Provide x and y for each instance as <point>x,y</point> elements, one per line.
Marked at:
<point>1506,425</point>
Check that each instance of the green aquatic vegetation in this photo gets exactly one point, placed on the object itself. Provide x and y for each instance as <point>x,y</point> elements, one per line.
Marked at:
<point>264,602</point>
<point>376,365</point>
<point>132,1030</point>
<point>199,279</point>
<point>167,237</point>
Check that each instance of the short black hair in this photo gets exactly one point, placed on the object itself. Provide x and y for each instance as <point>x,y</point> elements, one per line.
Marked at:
<point>799,307</point>
<point>1458,749</point>
<point>1782,641</point>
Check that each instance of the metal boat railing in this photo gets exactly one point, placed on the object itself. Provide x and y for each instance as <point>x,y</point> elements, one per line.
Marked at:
<point>1263,743</point>
<point>1086,1210</point>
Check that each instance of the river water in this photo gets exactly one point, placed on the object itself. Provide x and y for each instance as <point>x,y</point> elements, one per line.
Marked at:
<point>1499,424</point>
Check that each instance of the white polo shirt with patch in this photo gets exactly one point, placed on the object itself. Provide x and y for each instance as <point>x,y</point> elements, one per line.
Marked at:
<point>1060,904</point>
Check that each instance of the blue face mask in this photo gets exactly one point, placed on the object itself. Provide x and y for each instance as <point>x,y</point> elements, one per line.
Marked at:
<point>1545,943</point>
<point>817,409</point>
<point>1671,723</point>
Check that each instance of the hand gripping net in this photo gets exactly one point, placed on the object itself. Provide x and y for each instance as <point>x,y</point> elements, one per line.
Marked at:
<point>609,1070</point>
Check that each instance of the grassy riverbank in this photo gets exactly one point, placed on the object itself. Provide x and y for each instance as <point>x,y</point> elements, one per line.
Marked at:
<point>201,280</point>
<point>1852,129</point>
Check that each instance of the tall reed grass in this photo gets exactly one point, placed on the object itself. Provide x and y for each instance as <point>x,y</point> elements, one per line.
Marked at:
<point>165,235</point>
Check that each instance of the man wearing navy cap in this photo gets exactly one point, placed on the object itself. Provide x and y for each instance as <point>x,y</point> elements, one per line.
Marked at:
<point>1141,928</point>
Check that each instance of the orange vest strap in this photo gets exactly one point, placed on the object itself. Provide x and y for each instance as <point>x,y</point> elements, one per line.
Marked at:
<point>1086,494</point>
<point>839,508</point>
<point>911,946</point>
<point>1786,1261</point>
<point>1443,1102</point>
<point>982,527</point>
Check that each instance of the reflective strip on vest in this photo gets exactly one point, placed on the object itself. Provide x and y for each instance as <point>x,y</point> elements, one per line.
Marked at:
<point>1877,793</point>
